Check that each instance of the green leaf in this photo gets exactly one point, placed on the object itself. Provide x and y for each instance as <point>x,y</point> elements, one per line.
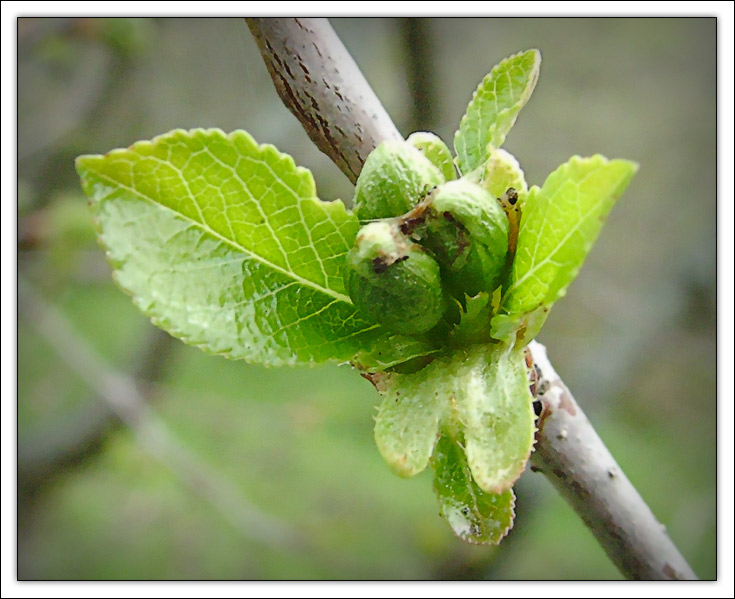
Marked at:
<point>481,392</point>
<point>474,515</point>
<point>560,223</point>
<point>224,244</point>
<point>436,151</point>
<point>494,107</point>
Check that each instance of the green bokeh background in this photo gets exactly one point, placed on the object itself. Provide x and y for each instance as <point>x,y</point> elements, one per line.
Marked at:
<point>635,338</point>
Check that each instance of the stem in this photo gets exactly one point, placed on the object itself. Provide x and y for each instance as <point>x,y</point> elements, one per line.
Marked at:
<point>568,450</point>
<point>574,458</point>
<point>322,86</point>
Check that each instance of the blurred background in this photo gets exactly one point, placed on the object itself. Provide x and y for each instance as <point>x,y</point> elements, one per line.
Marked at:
<point>242,472</point>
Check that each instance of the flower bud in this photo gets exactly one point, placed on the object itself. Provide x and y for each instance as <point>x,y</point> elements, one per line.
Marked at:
<point>394,281</point>
<point>432,146</point>
<point>465,229</point>
<point>393,180</point>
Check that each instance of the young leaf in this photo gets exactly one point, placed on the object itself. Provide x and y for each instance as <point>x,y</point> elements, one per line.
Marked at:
<point>481,392</point>
<point>494,108</point>
<point>224,244</point>
<point>474,515</point>
<point>560,223</point>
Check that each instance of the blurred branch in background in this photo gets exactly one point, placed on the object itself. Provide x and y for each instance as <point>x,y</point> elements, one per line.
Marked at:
<point>55,236</point>
<point>89,62</point>
<point>45,452</point>
<point>419,49</point>
<point>121,396</point>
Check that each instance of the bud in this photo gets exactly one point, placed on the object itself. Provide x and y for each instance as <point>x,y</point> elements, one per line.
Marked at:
<point>393,180</point>
<point>432,146</point>
<point>394,281</point>
<point>464,227</point>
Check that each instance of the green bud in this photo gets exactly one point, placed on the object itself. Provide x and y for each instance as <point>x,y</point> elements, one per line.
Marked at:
<point>436,151</point>
<point>393,281</point>
<point>466,230</point>
<point>393,180</point>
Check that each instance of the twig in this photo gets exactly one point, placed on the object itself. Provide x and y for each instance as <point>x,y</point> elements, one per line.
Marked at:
<point>322,86</point>
<point>121,395</point>
<point>47,450</point>
<point>574,458</point>
<point>568,450</point>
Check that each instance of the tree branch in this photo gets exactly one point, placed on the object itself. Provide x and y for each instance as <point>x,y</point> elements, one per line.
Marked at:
<point>322,86</point>
<point>574,458</point>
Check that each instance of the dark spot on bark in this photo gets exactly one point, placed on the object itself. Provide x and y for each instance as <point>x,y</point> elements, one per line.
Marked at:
<point>528,356</point>
<point>672,573</point>
<point>559,473</point>
<point>580,490</point>
<point>541,417</point>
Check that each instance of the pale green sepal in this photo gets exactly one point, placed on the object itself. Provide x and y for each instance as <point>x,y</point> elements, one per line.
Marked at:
<point>496,412</point>
<point>391,350</point>
<point>481,392</point>
<point>408,419</point>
